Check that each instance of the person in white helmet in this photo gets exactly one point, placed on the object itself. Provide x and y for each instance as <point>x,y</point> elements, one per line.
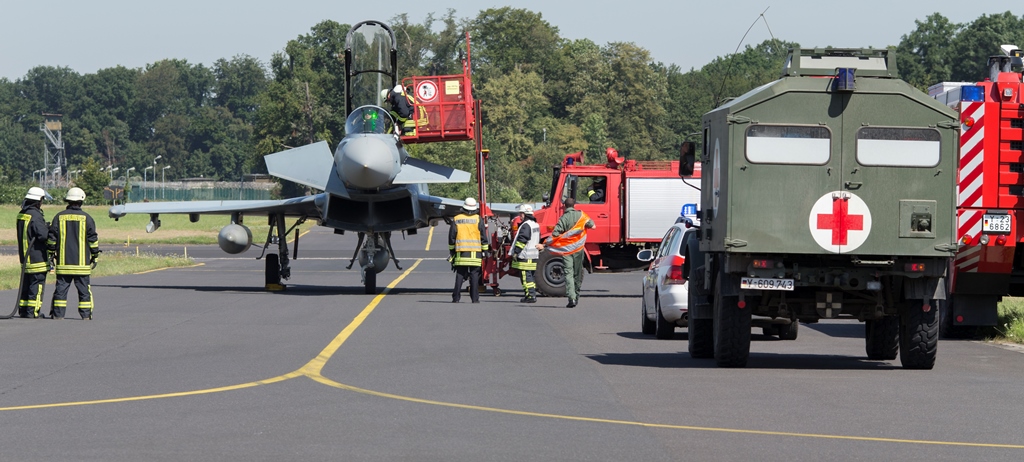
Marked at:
<point>74,245</point>
<point>525,249</point>
<point>32,232</point>
<point>467,241</point>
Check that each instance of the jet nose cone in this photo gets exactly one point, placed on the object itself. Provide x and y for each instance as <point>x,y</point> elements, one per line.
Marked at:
<point>367,161</point>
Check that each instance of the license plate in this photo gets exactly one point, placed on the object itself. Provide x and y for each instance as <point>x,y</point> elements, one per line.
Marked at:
<point>996,224</point>
<point>766,284</point>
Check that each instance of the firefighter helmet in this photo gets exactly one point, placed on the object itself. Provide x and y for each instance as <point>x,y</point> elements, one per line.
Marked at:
<point>75,195</point>
<point>525,208</point>
<point>36,193</point>
<point>470,205</point>
<point>384,94</point>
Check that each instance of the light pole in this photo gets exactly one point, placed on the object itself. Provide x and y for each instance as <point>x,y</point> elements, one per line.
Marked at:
<point>163,181</point>
<point>112,169</point>
<point>144,180</point>
<point>37,172</point>
<point>128,183</point>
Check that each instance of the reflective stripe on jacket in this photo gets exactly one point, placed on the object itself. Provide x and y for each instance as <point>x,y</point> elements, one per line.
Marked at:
<point>32,232</point>
<point>572,240</point>
<point>467,240</point>
<point>74,241</point>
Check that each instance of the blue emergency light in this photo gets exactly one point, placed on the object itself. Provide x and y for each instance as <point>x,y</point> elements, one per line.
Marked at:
<point>688,210</point>
<point>972,93</point>
<point>845,80</point>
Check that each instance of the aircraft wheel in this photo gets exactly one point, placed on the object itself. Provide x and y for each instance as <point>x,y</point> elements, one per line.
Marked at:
<point>370,281</point>
<point>273,269</point>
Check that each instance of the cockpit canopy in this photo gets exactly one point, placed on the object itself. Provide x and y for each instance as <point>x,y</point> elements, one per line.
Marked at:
<point>369,119</point>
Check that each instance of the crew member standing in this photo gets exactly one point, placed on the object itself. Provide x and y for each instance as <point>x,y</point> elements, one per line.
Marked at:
<point>75,247</point>
<point>568,239</point>
<point>525,250</point>
<point>32,231</point>
<point>467,241</point>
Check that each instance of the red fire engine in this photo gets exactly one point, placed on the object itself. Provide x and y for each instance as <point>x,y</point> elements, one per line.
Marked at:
<point>642,200</point>
<point>990,262</point>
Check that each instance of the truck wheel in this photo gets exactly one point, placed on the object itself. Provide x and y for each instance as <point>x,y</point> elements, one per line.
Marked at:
<point>919,335</point>
<point>664,330</point>
<point>732,329</point>
<point>788,331</point>
<point>700,332</point>
<point>551,275</point>
<point>646,325</point>
<point>881,338</point>
<point>701,336</point>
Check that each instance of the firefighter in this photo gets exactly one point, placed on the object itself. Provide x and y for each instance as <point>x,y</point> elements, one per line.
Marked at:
<point>401,108</point>
<point>568,240</point>
<point>525,249</point>
<point>74,246</point>
<point>32,231</point>
<point>597,190</point>
<point>467,241</point>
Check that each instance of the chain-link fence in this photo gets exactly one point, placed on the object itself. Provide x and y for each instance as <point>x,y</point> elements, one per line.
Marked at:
<point>194,191</point>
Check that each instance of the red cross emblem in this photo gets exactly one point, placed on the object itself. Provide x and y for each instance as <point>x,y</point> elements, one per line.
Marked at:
<point>840,221</point>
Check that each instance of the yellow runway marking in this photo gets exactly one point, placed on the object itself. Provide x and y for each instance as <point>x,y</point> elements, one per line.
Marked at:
<point>169,267</point>
<point>430,236</point>
<point>313,369</point>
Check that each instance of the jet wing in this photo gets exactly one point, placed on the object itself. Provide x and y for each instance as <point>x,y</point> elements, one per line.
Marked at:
<point>420,171</point>
<point>297,206</point>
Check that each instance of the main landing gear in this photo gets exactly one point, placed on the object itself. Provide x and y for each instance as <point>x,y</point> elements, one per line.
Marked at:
<point>277,267</point>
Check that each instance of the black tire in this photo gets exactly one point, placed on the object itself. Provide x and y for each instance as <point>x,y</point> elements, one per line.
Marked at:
<point>700,332</point>
<point>663,330</point>
<point>732,329</point>
<point>881,338</point>
<point>788,331</point>
<point>919,335</point>
<point>272,271</point>
<point>646,325</point>
<point>370,282</point>
<point>550,275</point>
<point>701,336</point>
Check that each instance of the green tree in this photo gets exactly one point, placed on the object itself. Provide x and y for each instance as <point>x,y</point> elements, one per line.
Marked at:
<point>980,39</point>
<point>92,180</point>
<point>924,56</point>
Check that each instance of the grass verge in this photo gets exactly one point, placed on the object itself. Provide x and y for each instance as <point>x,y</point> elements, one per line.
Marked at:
<point>111,264</point>
<point>131,229</point>
<point>1011,321</point>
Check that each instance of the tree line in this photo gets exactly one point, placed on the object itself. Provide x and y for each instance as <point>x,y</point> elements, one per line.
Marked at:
<point>542,96</point>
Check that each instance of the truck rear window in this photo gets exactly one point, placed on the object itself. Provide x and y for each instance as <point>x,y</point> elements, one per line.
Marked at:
<point>789,144</point>
<point>898,147</point>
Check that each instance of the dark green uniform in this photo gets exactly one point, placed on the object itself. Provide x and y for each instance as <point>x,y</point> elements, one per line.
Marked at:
<point>75,245</point>
<point>32,232</point>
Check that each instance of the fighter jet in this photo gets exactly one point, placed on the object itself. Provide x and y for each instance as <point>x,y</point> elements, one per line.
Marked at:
<point>370,184</point>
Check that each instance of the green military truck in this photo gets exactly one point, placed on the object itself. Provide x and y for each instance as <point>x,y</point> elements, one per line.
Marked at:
<point>827,193</point>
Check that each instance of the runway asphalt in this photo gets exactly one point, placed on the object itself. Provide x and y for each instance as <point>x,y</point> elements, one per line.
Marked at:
<point>201,364</point>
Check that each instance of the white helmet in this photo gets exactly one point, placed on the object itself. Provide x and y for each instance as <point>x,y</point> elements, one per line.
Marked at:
<point>399,90</point>
<point>36,193</point>
<point>470,205</point>
<point>75,195</point>
<point>525,208</point>
<point>384,94</point>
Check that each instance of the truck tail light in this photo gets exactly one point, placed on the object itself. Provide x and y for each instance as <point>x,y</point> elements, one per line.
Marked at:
<point>968,121</point>
<point>1001,239</point>
<point>967,239</point>
<point>914,267</point>
<point>675,272</point>
<point>763,264</point>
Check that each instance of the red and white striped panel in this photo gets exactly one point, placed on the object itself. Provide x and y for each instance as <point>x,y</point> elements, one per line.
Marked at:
<point>972,156</point>
<point>968,257</point>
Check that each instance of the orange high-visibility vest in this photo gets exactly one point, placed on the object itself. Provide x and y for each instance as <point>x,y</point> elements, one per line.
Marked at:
<point>572,240</point>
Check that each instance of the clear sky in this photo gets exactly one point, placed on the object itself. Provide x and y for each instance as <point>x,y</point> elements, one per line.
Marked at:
<point>91,35</point>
